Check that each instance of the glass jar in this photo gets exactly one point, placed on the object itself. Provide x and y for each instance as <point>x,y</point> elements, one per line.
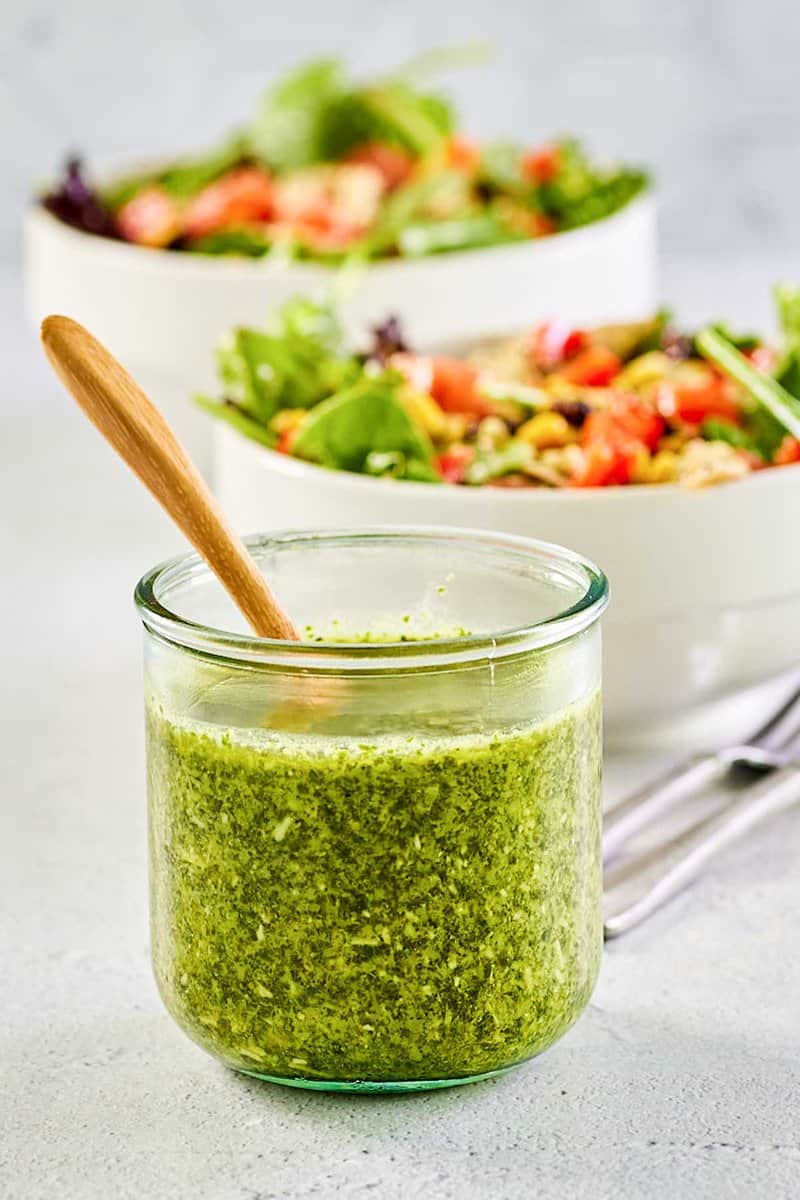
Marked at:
<point>375,853</point>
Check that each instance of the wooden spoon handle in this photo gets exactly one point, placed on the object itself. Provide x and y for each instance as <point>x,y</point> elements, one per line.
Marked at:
<point>115,403</point>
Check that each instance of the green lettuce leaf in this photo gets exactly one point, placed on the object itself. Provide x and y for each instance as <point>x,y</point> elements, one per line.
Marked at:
<point>298,362</point>
<point>183,178</point>
<point>289,128</point>
<point>582,192</point>
<point>515,456</point>
<point>787,299</point>
<point>364,419</point>
<point>226,410</point>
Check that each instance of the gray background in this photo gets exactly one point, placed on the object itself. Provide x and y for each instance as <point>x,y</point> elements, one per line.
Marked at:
<point>682,1078</point>
<point>705,90</point>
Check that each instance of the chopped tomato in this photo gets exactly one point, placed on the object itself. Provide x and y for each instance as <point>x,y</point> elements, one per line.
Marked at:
<point>541,165</point>
<point>542,225</point>
<point>455,387</point>
<point>788,452</point>
<point>242,197</point>
<point>614,440</point>
<point>324,236</point>
<point>394,164</point>
<point>451,382</point>
<point>716,398</point>
<point>286,440</point>
<point>638,419</point>
<point>150,218</point>
<point>596,366</point>
<point>553,341</point>
<point>602,465</point>
<point>452,465</point>
<point>463,154</point>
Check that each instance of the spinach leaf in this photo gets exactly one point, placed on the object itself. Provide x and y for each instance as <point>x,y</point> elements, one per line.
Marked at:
<point>183,178</point>
<point>289,128</point>
<point>407,206</point>
<point>294,365</point>
<point>460,233</point>
<point>393,464</point>
<point>515,456</point>
<point>787,298</point>
<point>314,115</point>
<point>226,410</point>
<point>581,192</point>
<point>501,171</point>
<point>715,429</point>
<point>367,417</point>
<point>250,243</point>
<point>417,121</point>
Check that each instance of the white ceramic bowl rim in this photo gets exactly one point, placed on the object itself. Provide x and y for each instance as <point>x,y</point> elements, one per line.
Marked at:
<point>162,621</point>
<point>571,495</point>
<point>202,264</point>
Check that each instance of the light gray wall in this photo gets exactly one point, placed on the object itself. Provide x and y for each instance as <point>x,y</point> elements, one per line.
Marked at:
<point>705,90</point>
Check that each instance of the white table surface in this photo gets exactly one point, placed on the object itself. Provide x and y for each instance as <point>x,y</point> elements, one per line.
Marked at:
<point>682,1079</point>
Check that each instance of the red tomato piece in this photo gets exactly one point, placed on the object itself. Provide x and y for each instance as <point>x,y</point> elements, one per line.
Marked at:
<point>716,398</point>
<point>614,439</point>
<point>639,420</point>
<point>603,465</point>
<point>455,387</point>
<point>241,197</point>
<point>554,341</point>
<point>150,218</point>
<point>452,465</point>
<point>394,164</point>
<point>595,366</point>
<point>542,164</point>
<point>451,382</point>
<point>286,440</point>
<point>542,225</point>
<point>788,452</point>
<point>463,154</point>
<point>323,235</point>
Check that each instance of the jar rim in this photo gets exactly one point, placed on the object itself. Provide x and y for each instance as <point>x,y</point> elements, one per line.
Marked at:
<point>312,656</point>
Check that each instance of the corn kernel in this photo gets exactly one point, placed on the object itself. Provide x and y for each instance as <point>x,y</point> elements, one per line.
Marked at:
<point>546,431</point>
<point>567,460</point>
<point>663,467</point>
<point>646,369</point>
<point>287,419</point>
<point>492,433</point>
<point>425,412</point>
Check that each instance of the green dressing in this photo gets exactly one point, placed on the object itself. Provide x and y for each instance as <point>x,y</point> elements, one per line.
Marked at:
<point>395,910</point>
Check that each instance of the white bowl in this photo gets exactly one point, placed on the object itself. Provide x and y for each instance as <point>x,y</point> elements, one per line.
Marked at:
<point>161,312</point>
<point>705,585</point>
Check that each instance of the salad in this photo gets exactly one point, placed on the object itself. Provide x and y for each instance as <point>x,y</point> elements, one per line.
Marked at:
<point>328,168</point>
<point>552,407</point>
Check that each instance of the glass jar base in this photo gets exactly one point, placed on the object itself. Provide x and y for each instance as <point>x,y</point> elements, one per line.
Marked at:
<point>375,1086</point>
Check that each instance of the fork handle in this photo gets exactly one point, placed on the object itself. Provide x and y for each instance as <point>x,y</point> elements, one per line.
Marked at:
<point>773,794</point>
<point>658,797</point>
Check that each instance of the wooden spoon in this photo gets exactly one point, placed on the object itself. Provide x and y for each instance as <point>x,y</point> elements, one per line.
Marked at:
<point>133,425</point>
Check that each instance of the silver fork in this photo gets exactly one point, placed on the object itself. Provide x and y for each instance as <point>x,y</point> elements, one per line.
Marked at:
<point>773,752</point>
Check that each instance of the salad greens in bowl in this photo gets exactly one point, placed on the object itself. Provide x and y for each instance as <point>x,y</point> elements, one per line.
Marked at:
<point>554,407</point>
<point>665,456</point>
<point>329,168</point>
<point>369,187</point>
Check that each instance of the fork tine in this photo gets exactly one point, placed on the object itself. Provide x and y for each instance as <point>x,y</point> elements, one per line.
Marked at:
<point>656,798</point>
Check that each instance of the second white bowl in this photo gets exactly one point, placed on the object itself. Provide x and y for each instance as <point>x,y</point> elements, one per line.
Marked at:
<point>705,587</point>
<point>161,312</point>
